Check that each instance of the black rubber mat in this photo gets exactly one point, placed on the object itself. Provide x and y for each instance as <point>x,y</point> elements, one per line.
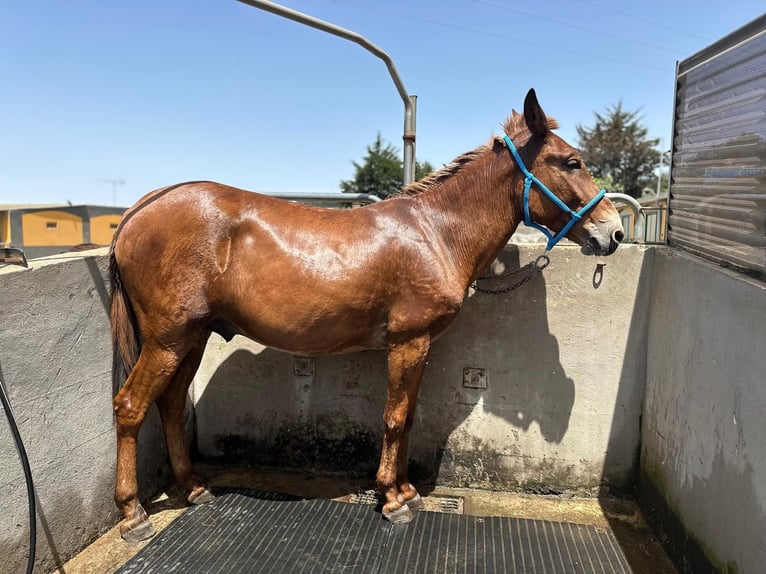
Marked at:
<point>245,531</point>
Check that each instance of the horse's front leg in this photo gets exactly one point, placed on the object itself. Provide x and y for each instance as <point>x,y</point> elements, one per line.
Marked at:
<point>406,361</point>
<point>406,489</point>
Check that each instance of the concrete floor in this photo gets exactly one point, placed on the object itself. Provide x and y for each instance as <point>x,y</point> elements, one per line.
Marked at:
<point>640,547</point>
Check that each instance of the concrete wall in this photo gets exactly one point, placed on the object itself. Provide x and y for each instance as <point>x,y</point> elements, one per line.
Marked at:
<point>567,359</point>
<point>703,457</point>
<point>55,361</point>
<point>564,361</point>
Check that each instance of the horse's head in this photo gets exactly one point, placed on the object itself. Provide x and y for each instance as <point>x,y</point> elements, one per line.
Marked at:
<point>561,195</point>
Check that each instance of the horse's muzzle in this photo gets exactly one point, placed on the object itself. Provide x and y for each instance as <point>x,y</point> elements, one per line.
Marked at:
<point>604,243</point>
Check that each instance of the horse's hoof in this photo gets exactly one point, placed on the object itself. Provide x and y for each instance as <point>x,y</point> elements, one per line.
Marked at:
<point>202,497</point>
<point>139,528</point>
<point>416,503</point>
<point>401,515</point>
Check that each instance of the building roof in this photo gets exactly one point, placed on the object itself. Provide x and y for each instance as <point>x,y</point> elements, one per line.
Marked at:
<point>19,206</point>
<point>12,206</point>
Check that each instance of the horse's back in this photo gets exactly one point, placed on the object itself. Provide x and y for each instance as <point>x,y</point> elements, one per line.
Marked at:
<point>292,276</point>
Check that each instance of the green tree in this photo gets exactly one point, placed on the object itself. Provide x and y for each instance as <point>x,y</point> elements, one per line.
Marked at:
<point>421,169</point>
<point>618,151</point>
<point>381,172</point>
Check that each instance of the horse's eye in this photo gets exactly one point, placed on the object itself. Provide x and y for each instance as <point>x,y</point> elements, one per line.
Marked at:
<point>574,163</point>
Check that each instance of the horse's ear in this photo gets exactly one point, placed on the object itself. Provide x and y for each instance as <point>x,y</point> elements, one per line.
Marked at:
<point>536,120</point>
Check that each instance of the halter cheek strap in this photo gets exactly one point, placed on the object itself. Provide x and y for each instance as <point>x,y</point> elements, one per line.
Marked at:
<point>529,179</point>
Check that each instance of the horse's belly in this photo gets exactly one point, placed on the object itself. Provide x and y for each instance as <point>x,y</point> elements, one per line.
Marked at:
<point>308,331</point>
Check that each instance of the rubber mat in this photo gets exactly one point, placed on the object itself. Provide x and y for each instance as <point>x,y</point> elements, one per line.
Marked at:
<point>246,531</point>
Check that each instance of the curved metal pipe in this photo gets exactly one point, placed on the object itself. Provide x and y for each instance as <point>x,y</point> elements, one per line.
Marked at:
<point>409,101</point>
<point>638,213</point>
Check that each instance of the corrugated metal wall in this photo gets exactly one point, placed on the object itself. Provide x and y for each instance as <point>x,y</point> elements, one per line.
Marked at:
<point>718,173</point>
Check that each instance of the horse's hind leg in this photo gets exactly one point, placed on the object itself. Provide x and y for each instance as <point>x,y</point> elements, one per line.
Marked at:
<point>171,404</point>
<point>406,362</point>
<point>153,370</point>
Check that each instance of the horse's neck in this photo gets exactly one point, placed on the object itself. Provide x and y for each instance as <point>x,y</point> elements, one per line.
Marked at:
<point>474,213</point>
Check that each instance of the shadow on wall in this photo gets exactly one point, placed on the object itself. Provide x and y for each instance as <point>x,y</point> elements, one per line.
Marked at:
<point>619,475</point>
<point>620,472</point>
<point>262,407</point>
<point>504,436</point>
<point>689,551</point>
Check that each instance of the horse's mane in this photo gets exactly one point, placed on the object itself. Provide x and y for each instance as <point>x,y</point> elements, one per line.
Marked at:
<point>514,127</point>
<point>439,175</point>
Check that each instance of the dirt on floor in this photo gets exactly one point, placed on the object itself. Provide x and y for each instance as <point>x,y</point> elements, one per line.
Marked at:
<point>623,517</point>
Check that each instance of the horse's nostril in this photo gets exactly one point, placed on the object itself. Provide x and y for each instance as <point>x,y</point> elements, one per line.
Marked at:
<point>618,236</point>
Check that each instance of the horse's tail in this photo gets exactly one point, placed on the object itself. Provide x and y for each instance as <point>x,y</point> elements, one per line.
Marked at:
<point>126,344</point>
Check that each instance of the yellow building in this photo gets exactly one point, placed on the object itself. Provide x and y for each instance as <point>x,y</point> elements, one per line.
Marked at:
<point>41,230</point>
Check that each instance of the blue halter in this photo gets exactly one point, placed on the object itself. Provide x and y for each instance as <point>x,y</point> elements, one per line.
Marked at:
<point>529,179</point>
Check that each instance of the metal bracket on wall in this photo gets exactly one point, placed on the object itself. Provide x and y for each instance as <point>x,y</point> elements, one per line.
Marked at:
<point>475,378</point>
<point>303,366</point>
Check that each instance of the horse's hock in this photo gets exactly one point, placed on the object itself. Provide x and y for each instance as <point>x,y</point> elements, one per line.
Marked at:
<point>648,379</point>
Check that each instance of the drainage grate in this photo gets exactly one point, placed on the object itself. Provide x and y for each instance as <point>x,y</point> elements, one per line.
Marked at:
<point>451,505</point>
<point>448,504</point>
<point>244,532</point>
<point>371,497</point>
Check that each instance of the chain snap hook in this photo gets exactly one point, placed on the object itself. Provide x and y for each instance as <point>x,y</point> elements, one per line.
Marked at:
<point>533,269</point>
<point>542,261</point>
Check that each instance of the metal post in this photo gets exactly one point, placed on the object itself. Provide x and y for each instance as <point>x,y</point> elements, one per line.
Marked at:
<point>659,173</point>
<point>409,140</point>
<point>409,101</point>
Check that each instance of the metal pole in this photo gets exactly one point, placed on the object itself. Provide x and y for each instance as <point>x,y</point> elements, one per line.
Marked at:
<point>409,101</point>
<point>659,173</point>
<point>409,140</point>
<point>115,183</point>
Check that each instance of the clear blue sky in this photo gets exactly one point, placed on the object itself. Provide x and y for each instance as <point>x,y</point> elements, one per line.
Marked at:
<point>162,91</point>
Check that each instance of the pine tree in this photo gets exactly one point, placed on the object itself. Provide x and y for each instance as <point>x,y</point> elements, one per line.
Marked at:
<point>617,149</point>
<point>381,172</point>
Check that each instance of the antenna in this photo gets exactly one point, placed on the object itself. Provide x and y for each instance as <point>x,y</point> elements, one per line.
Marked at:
<point>115,183</point>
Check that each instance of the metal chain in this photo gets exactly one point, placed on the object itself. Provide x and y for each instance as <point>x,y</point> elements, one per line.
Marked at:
<point>534,268</point>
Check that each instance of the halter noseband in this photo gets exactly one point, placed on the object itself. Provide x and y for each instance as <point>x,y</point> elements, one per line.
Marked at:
<point>528,180</point>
